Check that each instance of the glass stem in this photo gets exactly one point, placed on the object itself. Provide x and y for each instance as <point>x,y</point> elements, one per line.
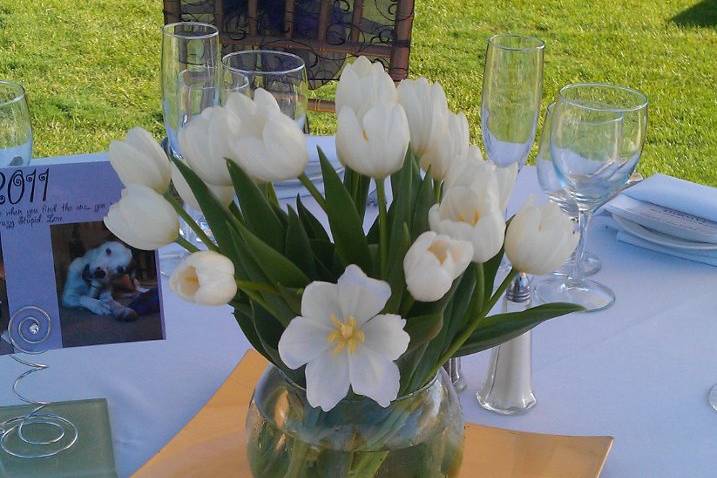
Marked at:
<point>576,274</point>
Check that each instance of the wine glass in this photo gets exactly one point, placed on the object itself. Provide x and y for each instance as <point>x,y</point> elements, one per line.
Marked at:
<point>15,126</point>
<point>186,47</point>
<point>284,76</point>
<point>597,135</point>
<point>553,188</point>
<point>510,103</point>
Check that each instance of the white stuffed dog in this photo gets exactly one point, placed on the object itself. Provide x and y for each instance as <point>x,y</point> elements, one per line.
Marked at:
<point>90,277</point>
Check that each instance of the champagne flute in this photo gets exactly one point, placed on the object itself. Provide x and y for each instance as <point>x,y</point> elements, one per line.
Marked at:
<point>553,188</point>
<point>15,126</point>
<point>284,76</point>
<point>190,59</point>
<point>512,91</point>
<point>186,47</point>
<point>596,140</point>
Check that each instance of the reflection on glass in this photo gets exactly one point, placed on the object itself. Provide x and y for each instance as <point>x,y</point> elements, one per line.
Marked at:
<point>15,126</point>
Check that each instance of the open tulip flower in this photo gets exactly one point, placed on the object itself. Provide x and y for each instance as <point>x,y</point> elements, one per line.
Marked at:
<point>139,159</point>
<point>432,263</point>
<point>269,146</point>
<point>205,277</point>
<point>540,238</point>
<point>468,215</point>
<point>343,339</point>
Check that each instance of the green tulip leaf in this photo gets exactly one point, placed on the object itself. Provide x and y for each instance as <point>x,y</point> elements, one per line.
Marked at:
<point>422,329</point>
<point>346,225</point>
<point>259,215</point>
<point>298,246</point>
<point>215,214</point>
<point>312,226</point>
<point>500,328</point>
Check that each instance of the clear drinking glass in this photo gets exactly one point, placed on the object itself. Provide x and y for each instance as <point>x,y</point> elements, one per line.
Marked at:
<point>15,126</point>
<point>284,76</point>
<point>186,47</point>
<point>554,189</point>
<point>596,140</point>
<point>512,90</point>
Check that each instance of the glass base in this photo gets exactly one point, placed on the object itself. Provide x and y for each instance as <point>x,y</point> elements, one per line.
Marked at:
<point>591,265</point>
<point>591,295</point>
<point>712,397</point>
<point>527,404</point>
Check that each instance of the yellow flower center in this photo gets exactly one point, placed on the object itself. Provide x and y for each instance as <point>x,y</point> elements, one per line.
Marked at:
<point>440,250</point>
<point>346,335</point>
<point>472,220</point>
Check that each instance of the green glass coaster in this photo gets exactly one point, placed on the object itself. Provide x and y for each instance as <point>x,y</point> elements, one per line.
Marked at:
<point>91,456</point>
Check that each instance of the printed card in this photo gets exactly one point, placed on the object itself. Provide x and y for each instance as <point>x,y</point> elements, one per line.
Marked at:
<point>65,279</point>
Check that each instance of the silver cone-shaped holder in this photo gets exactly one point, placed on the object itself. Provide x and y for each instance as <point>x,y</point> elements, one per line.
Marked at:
<point>508,388</point>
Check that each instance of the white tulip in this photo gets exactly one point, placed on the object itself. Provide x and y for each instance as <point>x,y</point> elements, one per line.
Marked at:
<point>376,144</point>
<point>468,215</point>
<point>363,85</point>
<point>224,194</point>
<point>139,159</point>
<point>450,147</point>
<point>270,146</point>
<point>205,277</point>
<point>143,218</point>
<point>204,143</point>
<point>432,263</point>
<point>427,112</point>
<point>480,174</point>
<point>344,340</point>
<point>540,238</point>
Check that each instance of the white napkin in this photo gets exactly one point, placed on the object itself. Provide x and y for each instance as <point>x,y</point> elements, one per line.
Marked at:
<point>677,194</point>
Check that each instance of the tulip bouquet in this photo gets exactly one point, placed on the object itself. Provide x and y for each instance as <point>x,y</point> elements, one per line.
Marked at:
<point>343,313</point>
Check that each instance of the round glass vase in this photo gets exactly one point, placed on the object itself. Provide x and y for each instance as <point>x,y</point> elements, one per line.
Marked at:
<point>419,435</point>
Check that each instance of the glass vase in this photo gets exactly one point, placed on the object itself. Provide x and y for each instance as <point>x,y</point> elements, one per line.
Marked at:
<point>419,435</point>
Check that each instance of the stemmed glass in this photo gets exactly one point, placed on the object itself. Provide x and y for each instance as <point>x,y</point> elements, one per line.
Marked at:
<point>15,126</point>
<point>284,76</point>
<point>190,83</point>
<point>512,90</point>
<point>554,189</point>
<point>597,135</point>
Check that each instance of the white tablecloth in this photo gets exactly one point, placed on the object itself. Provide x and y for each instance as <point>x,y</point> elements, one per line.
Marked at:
<point>639,371</point>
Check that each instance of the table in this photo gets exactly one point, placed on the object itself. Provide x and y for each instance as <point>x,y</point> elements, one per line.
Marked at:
<point>639,371</point>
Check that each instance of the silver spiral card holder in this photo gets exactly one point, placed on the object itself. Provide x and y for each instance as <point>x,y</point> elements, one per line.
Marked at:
<point>39,433</point>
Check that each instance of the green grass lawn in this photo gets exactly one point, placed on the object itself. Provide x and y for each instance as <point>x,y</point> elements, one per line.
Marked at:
<point>92,68</point>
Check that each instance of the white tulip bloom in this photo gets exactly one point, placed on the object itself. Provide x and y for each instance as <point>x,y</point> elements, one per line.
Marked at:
<point>204,143</point>
<point>540,239</point>
<point>363,85</point>
<point>432,263</point>
<point>480,175</point>
<point>205,277</point>
<point>376,144</point>
<point>344,340</point>
<point>224,194</point>
<point>427,112</point>
<point>450,147</point>
<point>270,146</point>
<point>471,216</point>
<point>143,218</point>
<point>139,159</point>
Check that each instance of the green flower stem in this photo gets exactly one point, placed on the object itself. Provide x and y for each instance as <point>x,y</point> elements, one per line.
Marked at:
<point>480,284</point>
<point>382,225</point>
<point>313,191</point>
<point>191,222</point>
<point>186,244</point>
<point>457,343</point>
<point>438,190</point>
<point>406,305</point>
